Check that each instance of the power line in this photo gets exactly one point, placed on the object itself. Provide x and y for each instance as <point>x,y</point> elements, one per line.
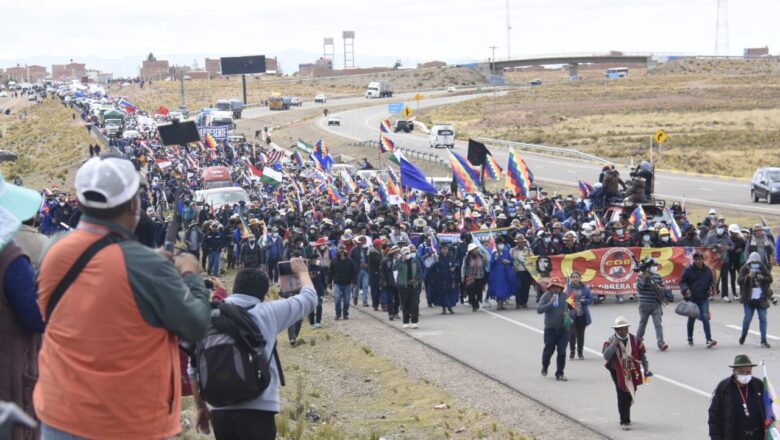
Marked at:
<point>508,33</point>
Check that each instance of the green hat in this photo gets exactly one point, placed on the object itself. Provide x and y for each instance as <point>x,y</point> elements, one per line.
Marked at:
<point>742,360</point>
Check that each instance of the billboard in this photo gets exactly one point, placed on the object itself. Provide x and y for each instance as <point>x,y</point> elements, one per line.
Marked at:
<point>243,65</point>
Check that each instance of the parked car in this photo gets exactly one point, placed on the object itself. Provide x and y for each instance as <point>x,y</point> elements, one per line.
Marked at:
<point>536,82</point>
<point>320,99</point>
<point>334,120</point>
<point>765,185</point>
<point>451,89</point>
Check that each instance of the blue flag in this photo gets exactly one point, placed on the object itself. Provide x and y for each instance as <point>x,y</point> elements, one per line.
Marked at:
<point>412,177</point>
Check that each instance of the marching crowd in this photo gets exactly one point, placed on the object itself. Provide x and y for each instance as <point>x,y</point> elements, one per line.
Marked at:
<point>471,251</point>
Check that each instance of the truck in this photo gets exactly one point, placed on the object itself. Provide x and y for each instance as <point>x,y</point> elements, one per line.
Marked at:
<point>279,103</point>
<point>234,105</point>
<point>442,135</point>
<point>216,177</point>
<point>379,89</point>
<point>114,127</point>
<point>219,118</point>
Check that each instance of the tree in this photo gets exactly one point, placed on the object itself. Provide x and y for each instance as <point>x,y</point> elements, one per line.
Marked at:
<point>397,64</point>
<point>151,57</point>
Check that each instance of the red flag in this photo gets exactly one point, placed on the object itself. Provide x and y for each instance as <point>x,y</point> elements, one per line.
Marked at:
<point>255,171</point>
<point>163,110</point>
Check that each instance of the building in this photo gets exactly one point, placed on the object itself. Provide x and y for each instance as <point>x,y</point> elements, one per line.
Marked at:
<point>105,77</point>
<point>198,74</point>
<point>64,72</point>
<point>29,74</point>
<point>156,69</point>
<point>213,66</point>
<point>321,67</point>
<point>431,64</point>
<point>756,52</point>
<point>272,66</point>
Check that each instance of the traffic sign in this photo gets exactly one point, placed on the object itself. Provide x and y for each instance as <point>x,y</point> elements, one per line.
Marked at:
<point>395,108</point>
<point>661,137</point>
<point>407,112</point>
<point>418,97</point>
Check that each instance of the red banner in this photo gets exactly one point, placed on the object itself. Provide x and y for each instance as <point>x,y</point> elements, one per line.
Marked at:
<point>610,271</point>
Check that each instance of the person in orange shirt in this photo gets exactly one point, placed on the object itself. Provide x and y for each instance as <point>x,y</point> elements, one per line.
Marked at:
<point>109,364</point>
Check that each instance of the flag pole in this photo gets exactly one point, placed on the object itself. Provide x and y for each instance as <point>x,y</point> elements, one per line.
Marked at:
<point>482,175</point>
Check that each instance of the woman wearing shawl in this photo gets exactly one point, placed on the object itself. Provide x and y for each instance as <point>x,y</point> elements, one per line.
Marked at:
<point>626,357</point>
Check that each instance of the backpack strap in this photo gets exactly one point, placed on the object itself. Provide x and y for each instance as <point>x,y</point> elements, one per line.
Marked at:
<point>275,355</point>
<point>77,268</point>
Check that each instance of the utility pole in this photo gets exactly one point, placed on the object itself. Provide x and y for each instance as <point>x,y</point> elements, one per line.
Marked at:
<point>493,75</point>
<point>508,34</point>
<point>722,29</point>
<point>182,105</point>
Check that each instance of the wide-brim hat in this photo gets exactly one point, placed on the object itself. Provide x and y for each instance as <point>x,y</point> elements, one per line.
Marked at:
<point>555,282</point>
<point>393,250</point>
<point>420,222</point>
<point>742,360</point>
<point>21,202</point>
<point>621,322</point>
<point>322,241</point>
<point>471,247</point>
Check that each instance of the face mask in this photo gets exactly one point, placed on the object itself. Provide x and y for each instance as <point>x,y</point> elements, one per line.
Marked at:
<point>664,239</point>
<point>719,231</point>
<point>62,203</point>
<point>654,269</point>
<point>251,242</point>
<point>619,231</point>
<point>322,248</point>
<point>744,379</point>
<point>622,338</point>
<point>646,237</point>
<point>410,256</point>
<point>275,234</point>
<point>556,240</point>
<point>755,266</point>
<point>500,247</point>
<point>547,240</point>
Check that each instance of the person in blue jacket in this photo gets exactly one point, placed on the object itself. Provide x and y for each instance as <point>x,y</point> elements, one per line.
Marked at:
<point>444,282</point>
<point>501,278</point>
<point>579,312</point>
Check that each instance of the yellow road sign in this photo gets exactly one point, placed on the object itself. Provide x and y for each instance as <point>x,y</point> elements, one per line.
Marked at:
<point>407,112</point>
<point>418,97</point>
<point>661,137</point>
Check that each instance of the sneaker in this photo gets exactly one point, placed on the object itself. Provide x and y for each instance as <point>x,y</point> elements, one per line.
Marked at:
<point>690,342</point>
<point>632,298</point>
<point>625,426</point>
<point>581,357</point>
<point>338,317</point>
<point>415,326</point>
<point>726,299</point>
<point>621,300</point>
<point>317,325</point>
<point>292,342</point>
<point>544,371</point>
<point>571,355</point>
<point>354,301</point>
<point>365,304</point>
<point>742,340</point>
<point>562,378</point>
<point>663,347</point>
<point>407,325</point>
<point>391,317</point>
<point>346,318</point>
<point>712,343</point>
<point>765,344</point>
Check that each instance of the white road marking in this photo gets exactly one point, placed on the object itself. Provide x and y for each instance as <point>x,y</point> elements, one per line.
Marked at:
<point>704,188</point>
<point>753,332</point>
<point>598,353</point>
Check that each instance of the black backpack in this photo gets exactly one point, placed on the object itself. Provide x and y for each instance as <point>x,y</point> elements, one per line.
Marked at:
<point>230,362</point>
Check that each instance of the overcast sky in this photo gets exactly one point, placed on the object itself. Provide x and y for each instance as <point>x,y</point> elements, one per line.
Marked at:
<point>405,29</point>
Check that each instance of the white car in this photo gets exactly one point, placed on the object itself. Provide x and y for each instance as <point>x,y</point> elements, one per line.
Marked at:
<point>451,89</point>
<point>334,120</point>
<point>320,99</point>
<point>3,94</point>
<point>296,101</point>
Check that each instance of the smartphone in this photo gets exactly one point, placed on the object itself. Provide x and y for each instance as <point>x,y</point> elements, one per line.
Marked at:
<point>288,281</point>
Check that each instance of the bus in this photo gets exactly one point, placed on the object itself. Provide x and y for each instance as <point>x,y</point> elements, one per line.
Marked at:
<point>617,72</point>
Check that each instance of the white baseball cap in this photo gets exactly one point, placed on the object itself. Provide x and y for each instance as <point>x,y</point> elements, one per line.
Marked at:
<point>106,182</point>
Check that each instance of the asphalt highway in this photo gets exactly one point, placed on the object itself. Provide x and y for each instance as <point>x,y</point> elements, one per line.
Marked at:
<point>362,124</point>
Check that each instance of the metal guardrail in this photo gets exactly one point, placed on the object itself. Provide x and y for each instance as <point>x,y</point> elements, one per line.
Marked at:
<point>544,149</point>
<point>411,154</point>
